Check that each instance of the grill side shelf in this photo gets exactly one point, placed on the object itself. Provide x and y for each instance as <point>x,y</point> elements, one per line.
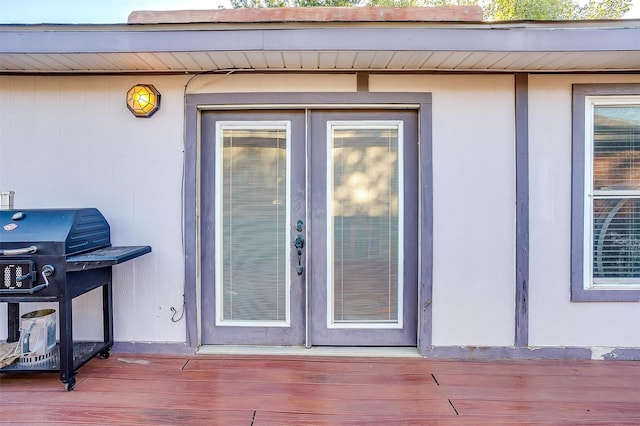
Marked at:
<point>103,257</point>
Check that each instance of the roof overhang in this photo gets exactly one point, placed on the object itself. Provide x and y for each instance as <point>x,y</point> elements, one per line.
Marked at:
<point>542,47</point>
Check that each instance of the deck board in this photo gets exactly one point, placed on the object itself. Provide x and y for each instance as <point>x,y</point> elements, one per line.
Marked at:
<point>140,389</point>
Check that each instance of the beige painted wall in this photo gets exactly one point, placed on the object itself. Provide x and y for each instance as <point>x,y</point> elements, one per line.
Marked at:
<point>250,83</point>
<point>473,205</point>
<point>474,213</point>
<point>554,320</point>
<point>71,142</point>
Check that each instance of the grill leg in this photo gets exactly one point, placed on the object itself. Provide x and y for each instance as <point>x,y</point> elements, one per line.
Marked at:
<point>13,321</point>
<point>67,373</point>
<point>107,315</point>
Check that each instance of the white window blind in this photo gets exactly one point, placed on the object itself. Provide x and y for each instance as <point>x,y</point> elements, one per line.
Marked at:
<point>252,231</point>
<point>365,224</point>
<point>614,191</point>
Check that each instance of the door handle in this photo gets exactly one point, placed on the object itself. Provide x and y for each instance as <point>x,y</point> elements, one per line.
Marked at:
<point>299,243</point>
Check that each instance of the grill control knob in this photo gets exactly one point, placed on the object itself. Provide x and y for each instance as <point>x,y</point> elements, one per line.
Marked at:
<point>48,270</point>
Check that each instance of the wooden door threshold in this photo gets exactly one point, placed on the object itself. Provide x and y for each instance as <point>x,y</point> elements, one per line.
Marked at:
<point>329,351</point>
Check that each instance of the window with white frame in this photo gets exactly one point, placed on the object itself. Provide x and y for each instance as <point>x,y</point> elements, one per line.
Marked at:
<point>609,149</point>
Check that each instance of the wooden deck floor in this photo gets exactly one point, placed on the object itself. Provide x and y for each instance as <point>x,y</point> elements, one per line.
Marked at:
<point>278,390</point>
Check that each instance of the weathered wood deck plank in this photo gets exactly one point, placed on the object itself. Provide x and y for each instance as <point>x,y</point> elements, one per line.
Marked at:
<point>280,390</point>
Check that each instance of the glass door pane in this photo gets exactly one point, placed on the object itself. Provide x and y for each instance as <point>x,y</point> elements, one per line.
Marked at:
<point>252,223</point>
<point>364,237</point>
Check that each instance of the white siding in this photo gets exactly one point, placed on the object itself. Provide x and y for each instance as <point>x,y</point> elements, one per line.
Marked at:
<point>473,205</point>
<point>554,320</point>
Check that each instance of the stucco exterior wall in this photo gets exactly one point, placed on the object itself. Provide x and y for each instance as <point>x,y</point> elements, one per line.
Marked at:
<point>72,142</point>
<point>474,193</point>
<point>473,205</point>
<point>76,144</point>
<point>275,83</point>
<point>553,319</point>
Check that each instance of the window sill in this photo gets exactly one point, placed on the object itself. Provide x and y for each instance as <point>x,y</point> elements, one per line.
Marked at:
<point>604,295</point>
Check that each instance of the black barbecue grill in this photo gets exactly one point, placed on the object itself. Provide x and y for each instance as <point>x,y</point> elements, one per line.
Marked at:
<point>55,255</point>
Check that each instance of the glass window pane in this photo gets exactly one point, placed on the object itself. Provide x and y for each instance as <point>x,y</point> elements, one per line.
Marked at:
<point>365,210</point>
<point>616,224</point>
<point>616,146</point>
<point>254,224</point>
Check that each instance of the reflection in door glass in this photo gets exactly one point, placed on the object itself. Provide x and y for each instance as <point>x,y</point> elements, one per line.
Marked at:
<point>252,227</point>
<point>364,223</point>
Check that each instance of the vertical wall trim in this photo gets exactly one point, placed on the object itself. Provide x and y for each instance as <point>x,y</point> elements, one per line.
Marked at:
<point>521,337</point>
<point>190,228</point>
<point>362,82</point>
<point>425,293</point>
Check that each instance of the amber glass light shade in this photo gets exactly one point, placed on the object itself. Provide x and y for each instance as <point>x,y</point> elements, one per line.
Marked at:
<point>143,100</point>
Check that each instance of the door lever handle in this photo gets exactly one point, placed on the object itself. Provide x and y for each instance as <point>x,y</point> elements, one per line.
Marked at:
<point>299,243</point>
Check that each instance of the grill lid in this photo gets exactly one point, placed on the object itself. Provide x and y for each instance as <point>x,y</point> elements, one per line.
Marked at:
<point>57,231</point>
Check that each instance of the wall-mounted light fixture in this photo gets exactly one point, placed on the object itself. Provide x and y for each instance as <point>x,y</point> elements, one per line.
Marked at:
<point>143,100</point>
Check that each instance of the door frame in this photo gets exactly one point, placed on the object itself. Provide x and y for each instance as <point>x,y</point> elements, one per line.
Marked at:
<point>192,187</point>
